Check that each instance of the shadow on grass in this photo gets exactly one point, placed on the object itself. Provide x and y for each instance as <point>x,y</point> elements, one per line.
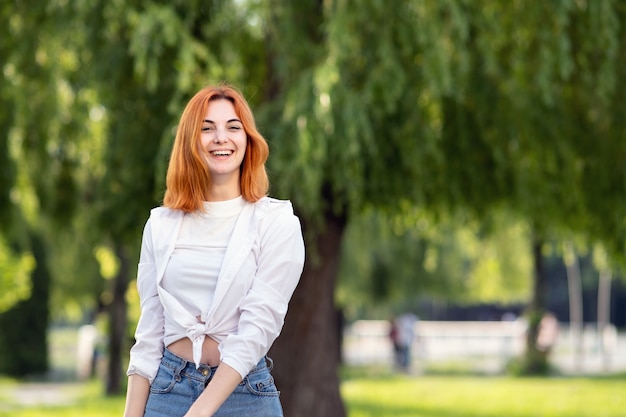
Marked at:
<point>458,369</point>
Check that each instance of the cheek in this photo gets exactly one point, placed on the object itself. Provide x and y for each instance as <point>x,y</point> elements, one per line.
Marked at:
<point>203,142</point>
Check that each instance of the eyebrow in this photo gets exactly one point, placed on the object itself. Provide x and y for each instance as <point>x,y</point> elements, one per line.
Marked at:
<point>228,121</point>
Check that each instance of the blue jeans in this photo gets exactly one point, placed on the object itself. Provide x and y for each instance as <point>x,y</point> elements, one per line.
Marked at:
<point>178,384</point>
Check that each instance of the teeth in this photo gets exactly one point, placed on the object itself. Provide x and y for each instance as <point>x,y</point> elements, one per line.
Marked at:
<point>221,153</point>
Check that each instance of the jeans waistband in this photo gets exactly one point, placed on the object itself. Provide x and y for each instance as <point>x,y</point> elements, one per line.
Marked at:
<point>174,361</point>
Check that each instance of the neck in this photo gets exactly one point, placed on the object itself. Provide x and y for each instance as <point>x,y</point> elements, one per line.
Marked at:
<point>223,192</point>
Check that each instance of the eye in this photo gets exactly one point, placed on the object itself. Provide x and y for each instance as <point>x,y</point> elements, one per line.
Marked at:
<point>234,128</point>
<point>208,129</point>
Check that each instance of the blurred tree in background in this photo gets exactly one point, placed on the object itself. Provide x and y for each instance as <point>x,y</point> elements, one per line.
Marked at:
<point>454,259</point>
<point>454,125</point>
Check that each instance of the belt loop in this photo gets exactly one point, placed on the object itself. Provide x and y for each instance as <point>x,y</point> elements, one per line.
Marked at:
<point>269,362</point>
<point>182,364</point>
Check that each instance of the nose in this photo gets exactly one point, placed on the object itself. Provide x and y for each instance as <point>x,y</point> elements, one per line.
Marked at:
<point>220,135</point>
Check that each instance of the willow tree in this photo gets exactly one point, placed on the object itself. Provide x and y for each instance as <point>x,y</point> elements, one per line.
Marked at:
<point>443,105</point>
<point>38,188</point>
<point>539,100</point>
<point>14,278</point>
<point>471,105</point>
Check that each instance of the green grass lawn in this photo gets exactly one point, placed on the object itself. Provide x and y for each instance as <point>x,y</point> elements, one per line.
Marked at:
<point>385,395</point>
<point>472,396</point>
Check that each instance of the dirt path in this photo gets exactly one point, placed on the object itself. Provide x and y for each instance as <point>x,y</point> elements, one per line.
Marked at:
<point>31,394</point>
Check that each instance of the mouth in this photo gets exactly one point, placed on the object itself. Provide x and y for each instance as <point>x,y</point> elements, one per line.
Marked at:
<point>221,153</point>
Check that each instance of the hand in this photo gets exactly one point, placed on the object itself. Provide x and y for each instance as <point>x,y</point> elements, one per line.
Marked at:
<point>221,386</point>
<point>195,411</point>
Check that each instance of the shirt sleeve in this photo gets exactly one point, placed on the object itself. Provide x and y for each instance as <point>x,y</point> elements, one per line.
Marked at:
<point>146,353</point>
<point>263,310</point>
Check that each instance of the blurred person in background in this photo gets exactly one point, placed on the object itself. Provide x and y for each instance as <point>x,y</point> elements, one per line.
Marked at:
<point>402,335</point>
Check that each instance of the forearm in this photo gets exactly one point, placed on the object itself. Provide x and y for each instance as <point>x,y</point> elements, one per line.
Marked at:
<point>136,396</point>
<point>221,386</point>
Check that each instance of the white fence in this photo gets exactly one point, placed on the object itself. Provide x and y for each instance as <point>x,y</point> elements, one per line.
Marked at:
<point>481,346</point>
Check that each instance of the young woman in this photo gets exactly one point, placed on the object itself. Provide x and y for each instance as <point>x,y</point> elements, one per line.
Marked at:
<point>218,265</point>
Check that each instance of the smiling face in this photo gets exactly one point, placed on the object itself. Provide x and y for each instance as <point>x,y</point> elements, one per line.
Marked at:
<point>223,143</point>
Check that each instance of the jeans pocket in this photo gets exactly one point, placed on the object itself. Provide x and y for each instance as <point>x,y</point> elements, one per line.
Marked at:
<point>164,381</point>
<point>261,383</point>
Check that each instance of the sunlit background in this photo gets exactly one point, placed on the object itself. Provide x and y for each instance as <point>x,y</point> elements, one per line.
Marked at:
<point>462,161</point>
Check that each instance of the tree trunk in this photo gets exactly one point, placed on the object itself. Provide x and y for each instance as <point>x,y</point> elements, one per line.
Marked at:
<point>574,285</point>
<point>117,323</point>
<point>24,328</point>
<point>604,314</point>
<point>307,352</point>
<point>535,361</point>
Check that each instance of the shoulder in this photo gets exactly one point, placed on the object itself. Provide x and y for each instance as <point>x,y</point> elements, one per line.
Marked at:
<point>278,228</point>
<point>162,224</point>
<point>273,208</point>
<point>276,217</point>
<point>165,212</point>
<point>160,217</point>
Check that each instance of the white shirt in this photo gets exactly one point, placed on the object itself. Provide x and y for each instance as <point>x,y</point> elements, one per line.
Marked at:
<point>261,268</point>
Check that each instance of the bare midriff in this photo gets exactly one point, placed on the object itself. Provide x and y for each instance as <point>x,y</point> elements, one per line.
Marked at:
<point>184,348</point>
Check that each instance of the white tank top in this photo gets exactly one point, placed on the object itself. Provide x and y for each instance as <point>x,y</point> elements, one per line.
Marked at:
<point>192,270</point>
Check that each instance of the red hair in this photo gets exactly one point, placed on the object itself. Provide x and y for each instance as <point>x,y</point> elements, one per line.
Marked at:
<point>188,178</point>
